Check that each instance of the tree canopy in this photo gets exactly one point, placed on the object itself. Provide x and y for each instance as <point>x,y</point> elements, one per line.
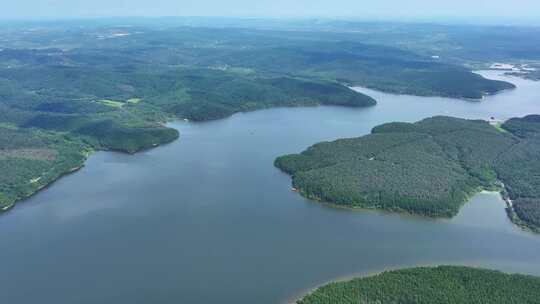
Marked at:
<point>430,167</point>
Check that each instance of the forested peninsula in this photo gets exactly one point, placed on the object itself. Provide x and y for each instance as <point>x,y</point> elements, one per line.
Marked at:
<point>430,167</point>
<point>65,92</point>
<point>45,133</point>
<point>431,285</point>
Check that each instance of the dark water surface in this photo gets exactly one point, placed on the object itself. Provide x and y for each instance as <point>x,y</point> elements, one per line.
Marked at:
<point>208,219</point>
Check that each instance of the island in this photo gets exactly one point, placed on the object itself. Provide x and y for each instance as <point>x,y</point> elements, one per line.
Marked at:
<point>430,167</point>
<point>433,285</point>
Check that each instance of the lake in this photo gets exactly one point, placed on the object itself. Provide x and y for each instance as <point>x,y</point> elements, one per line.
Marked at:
<point>208,219</point>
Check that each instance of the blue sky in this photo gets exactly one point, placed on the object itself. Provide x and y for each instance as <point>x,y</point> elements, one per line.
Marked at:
<point>408,9</point>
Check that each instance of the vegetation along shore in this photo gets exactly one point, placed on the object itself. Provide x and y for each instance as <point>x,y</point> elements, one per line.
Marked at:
<point>430,167</point>
<point>433,285</point>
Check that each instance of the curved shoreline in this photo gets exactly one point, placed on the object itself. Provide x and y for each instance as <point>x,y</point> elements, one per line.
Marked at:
<point>354,88</point>
<point>363,240</point>
<point>72,170</point>
<point>429,267</point>
<point>512,216</point>
<point>342,279</point>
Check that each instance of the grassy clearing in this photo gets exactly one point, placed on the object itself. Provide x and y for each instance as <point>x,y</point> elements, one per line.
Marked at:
<point>499,127</point>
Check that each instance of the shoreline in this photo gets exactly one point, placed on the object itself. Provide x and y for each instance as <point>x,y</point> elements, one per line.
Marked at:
<point>307,292</point>
<point>484,95</point>
<point>512,214</point>
<point>43,187</point>
<point>501,190</point>
<point>346,278</point>
<point>86,154</point>
<point>168,120</point>
<point>399,211</point>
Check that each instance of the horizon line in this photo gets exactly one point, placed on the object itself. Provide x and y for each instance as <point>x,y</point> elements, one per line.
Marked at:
<point>493,20</point>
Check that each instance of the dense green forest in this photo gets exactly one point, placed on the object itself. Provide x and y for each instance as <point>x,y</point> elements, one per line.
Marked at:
<point>105,94</point>
<point>110,85</point>
<point>30,159</point>
<point>124,110</point>
<point>431,285</point>
<point>430,167</point>
<point>345,57</point>
<point>518,168</point>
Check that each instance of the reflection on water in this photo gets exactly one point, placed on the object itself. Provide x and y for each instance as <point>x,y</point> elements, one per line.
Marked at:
<point>208,219</point>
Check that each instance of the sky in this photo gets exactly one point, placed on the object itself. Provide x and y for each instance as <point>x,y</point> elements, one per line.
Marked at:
<point>370,9</point>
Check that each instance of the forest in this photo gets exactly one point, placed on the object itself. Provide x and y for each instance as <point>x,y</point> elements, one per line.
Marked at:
<point>430,167</point>
<point>125,111</point>
<point>70,103</point>
<point>433,285</point>
<point>30,159</point>
<point>345,57</point>
<point>112,85</point>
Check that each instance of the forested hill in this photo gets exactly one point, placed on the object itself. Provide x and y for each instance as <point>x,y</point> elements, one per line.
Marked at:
<point>58,109</point>
<point>377,67</point>
<point>58,101</point>
<point>97,86</point>
<point>437,285</point>
<point>430,167</point>
<point>323,55</point>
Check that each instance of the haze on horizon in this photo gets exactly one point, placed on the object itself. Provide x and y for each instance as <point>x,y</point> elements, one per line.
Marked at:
<point>524,11</point>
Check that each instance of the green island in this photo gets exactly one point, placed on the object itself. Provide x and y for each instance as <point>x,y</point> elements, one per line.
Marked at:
<point>433,285</point>
<point>430,167</point>
<point>71,88</point>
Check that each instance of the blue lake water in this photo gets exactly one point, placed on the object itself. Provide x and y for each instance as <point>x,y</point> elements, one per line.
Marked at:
<point>208,219</point>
